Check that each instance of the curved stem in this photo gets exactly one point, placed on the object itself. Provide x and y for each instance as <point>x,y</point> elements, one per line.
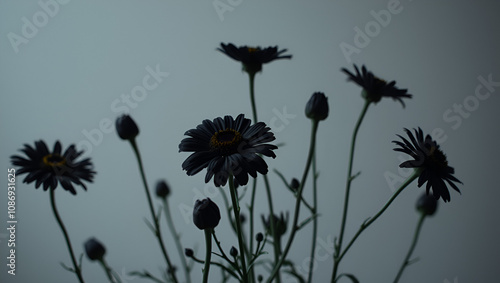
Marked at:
<point>251,210</point>
<point>157,231</point>
<point>338,247</point>
<point>208,255</point>
<point>236,210</point>
<point>77,270</point>
<point>177,240</point>
<point>369,221</point>
<point>298,201</point>
<point>315,220</point>
<point>406,261</point>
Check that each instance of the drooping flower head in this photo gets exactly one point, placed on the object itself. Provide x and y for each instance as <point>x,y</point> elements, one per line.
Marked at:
<point>431,161</point>
<point>252,58</point>
<point>375,88</point>
<point>228,146</point>
<point>53,167</point>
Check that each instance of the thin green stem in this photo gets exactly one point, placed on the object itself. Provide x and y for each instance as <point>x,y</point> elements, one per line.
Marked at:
<point>298,201</point>
<point>276,237</point>
<point>151,208</point>
<point>109,272</point>
<point>77,270</point>
<point>251,212</point>
<point>208,255</point>
<point>315,220</point>
<point>251,77</point>
<point>236,210</point>
<point>349,179</point>
<point>369,221</point>
<point>177,240</point>
<point>406,261</point>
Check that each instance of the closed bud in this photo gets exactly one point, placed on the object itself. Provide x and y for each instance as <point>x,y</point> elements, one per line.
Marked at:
<point>427,204</point>
<point>162,189</point>
<point>280,224</point>
<point>94,249</point>
<point>260,278</point>
<point>126,127</point>
<point>233,252</point>
<point>188,252</point>
<point>206,214</point>
<point>317,107</point>
<point>294,185</point>
<point>259,237</point>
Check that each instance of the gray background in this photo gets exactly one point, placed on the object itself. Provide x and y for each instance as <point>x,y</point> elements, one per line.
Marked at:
<point>63,80</point>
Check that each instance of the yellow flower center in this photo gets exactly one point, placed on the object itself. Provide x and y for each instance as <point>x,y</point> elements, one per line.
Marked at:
<point>252,49</point>
<point>54,160</point>
<point>226,141</point>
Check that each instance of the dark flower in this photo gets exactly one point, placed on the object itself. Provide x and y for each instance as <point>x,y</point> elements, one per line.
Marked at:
<point>126,127</point>
<point>431,161</point>
<point>252,58</point>
<point>206,214</point>
<point>427,204</point>
<point>162,189</point>
<point>94,249</point>
<point>280,224</point>
<point>375,88</point>
<point>317,107</point>
<point>228,146</point>
<point>50,168</point>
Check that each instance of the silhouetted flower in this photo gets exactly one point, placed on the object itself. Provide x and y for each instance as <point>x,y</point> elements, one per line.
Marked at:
<point>280,224</point>
<point>375,88</point>
<point>126,127</point>
<point>162,189</point>
<point>317,107</point>
<point>228,146</point>
<point>427,204</point>
<point>431,161</point>
<point>206,214</point>
<point>52,167</point>
<point>94,249</point>
<point>252,58</point>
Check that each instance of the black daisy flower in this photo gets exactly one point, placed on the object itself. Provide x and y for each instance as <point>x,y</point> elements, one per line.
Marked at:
<point>52,167</point>
<point>252,58</point>
<point>228,146</point>
<point>375,88</point>
<point>431,161</point>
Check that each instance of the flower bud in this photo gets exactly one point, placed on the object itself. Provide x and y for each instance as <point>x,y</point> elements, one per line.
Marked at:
<point>94,249</point>
<point>280,224</point>
<point>126,127</point>
<point>317,107</point>
<point>259,237</point>
<point>162,189</point>
<point>189,252</point>
<point>233,252</point>
<point>294,185</point>
<point>206,214</point>
<point>427,204</point>
<point>260,278</point>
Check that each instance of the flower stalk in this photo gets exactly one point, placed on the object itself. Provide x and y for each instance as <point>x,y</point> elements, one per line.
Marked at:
<point>208,255</point>
<point>76,267</point>
<point>156,224</point>
<point>236,211</point>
